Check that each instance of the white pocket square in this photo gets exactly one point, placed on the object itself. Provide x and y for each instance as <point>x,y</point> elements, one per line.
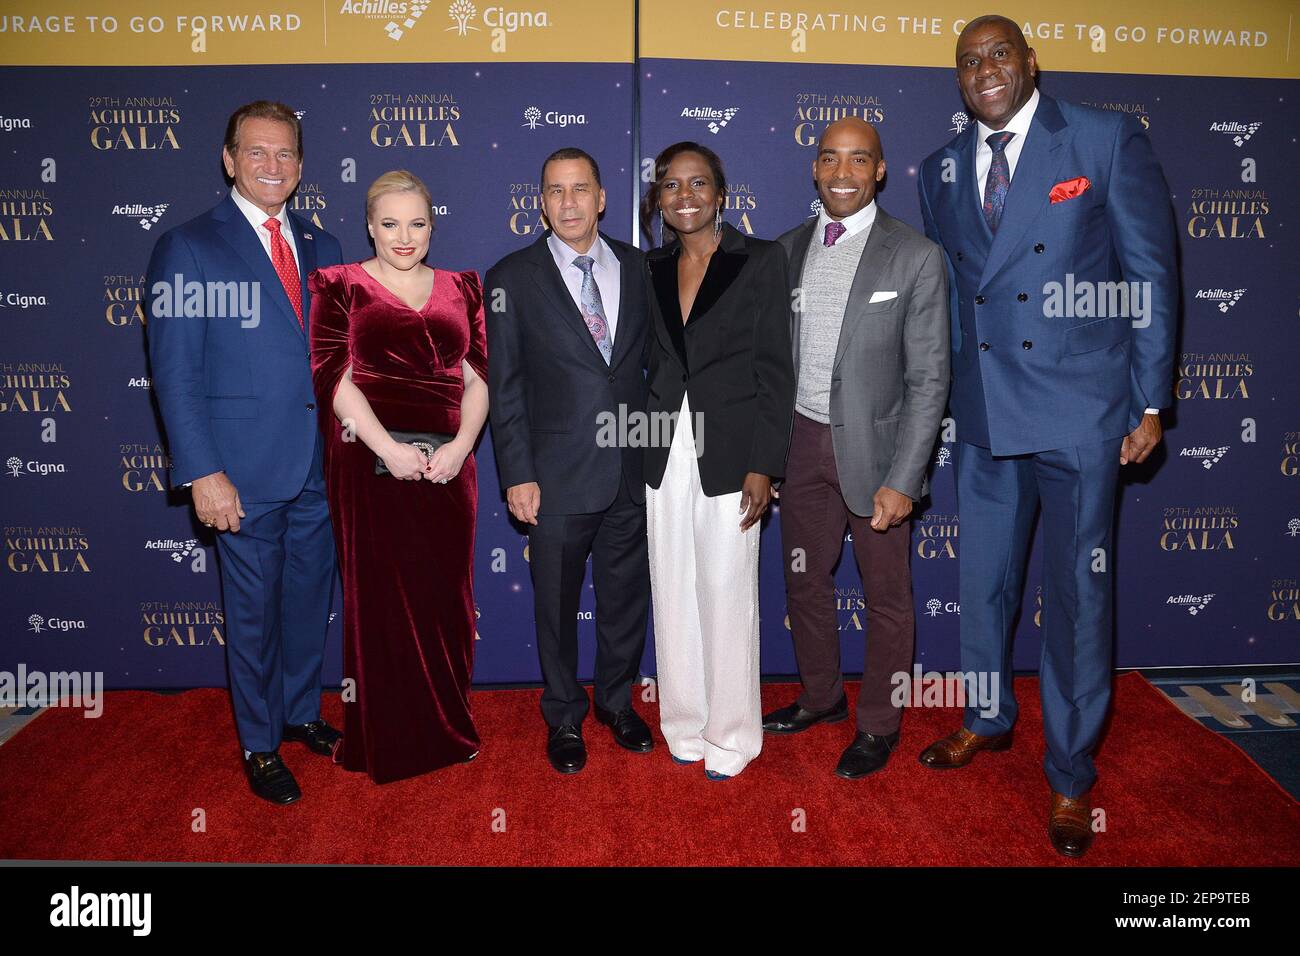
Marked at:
<point>883,296</point>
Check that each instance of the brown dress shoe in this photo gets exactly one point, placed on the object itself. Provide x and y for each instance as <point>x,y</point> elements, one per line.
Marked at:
<point>959,749</point>
<point>1070,825</point>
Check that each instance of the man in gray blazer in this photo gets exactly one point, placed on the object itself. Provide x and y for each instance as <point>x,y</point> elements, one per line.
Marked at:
<point>869,297</point>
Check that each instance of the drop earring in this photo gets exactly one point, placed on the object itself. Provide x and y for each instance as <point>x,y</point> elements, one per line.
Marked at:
<point>717,224</point>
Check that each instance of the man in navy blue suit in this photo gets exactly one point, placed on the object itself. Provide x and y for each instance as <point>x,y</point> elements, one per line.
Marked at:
<point>232,373</point>
<point>1057,226</point>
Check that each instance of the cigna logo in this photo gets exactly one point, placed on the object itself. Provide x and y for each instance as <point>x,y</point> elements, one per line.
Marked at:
<point>934,607</point>
<point>18,468</point>
<point>960,120</point>
<point>497,19</point>
<point>38,624</point>
<point>534,117</point>
<point>21,300</point>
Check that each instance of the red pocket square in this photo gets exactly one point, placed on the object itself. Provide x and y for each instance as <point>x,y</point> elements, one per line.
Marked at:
<point>1070,188</point>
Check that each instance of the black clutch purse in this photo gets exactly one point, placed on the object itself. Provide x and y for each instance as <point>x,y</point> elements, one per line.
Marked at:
<point>427,442</point>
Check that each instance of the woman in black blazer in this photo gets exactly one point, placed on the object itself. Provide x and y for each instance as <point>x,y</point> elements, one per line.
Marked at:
<point>721,403</point>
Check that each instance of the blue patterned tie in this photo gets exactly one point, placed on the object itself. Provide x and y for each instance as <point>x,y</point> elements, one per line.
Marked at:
<point>999,181</point>
<point>593,310</point>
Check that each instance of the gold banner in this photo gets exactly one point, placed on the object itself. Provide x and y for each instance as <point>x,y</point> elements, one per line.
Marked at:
<point>172,33</point>
<point>1255,38</point>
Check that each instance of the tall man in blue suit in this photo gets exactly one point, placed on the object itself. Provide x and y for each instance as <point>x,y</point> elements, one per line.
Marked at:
<point>1037,201</point>
<point>236,398</point>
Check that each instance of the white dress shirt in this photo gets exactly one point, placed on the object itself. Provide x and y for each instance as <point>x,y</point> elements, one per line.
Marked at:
<point>854,224</point>
<point>256,217</point>
<point>605,269</point>
<point>1019,125</point>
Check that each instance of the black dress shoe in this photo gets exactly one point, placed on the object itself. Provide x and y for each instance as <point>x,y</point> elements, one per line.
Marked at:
<point>319,736</point>
<point>270,778</point>
<point>630,731</point>
<point>867,754</point>
<point>564,747</point>
<point>794,719</point>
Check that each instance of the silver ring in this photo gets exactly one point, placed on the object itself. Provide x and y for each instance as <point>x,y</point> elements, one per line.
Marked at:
<point>442,481</point>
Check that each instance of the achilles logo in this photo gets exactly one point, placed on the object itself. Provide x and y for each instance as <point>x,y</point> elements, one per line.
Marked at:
<point>716,117</point>
<point>1240,132</point>
<point>179,549</point>
<point>960,121</point>
<point>1209,456</point>
<point>396,31</point>
<point>1195,603</point>
<point>140,382</point>
<point>1226,298</point>
<point>148,216</point>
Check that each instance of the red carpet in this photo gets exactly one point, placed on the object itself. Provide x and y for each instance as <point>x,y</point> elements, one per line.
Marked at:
<point>125,787</point>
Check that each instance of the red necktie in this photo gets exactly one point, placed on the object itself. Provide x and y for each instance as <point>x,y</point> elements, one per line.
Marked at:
<point>282,259</point>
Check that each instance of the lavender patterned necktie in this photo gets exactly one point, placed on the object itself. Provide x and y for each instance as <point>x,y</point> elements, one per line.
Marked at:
<point>999,181</point>
<point>593,310</point>
<point>833,232</point>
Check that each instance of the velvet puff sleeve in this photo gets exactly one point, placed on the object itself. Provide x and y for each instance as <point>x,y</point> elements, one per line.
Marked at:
<point>331,300</point>
<point>471,287</point>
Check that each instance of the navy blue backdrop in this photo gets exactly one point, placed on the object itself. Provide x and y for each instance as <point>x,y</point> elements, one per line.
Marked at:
<point>105,569</point>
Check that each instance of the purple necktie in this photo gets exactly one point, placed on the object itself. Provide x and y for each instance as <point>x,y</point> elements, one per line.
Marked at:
<point>999,181</point>
<point>833,231</point>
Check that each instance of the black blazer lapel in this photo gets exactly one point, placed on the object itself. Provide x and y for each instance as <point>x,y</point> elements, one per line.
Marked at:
<point>629,316</point>
<point>548,279</point>
<point>798,256</point>
<point>663,276</point>
<point>724,265</point>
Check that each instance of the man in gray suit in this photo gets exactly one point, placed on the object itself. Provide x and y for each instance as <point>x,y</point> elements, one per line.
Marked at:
<point>871,350</point>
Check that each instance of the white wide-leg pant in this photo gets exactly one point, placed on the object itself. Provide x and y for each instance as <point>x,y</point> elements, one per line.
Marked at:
<point>704,584</point>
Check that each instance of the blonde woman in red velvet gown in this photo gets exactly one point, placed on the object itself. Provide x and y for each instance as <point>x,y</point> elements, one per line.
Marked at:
<point>398,346</point>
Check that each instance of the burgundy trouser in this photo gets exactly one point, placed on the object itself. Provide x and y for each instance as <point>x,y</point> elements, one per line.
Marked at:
<point>813,518</point>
